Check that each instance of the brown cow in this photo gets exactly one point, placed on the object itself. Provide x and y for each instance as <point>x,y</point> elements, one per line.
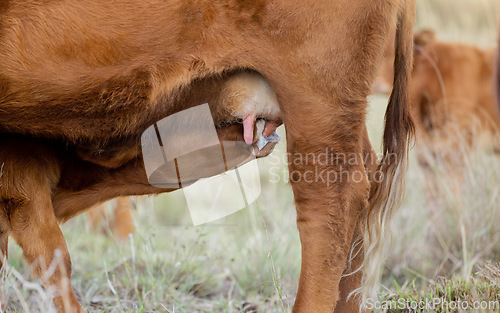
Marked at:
<point>122,223</point>
<point>452,90</point>
<point>81,77</point>
<point>497,72</point>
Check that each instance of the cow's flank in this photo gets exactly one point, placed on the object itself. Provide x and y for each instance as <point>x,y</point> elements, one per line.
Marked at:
<point>81,77</point>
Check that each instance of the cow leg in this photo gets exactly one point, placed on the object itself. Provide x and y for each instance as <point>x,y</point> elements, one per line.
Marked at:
<point>4,245</point>
<point>4,240</point>
<point>328,178</point>
<point>34,228</point>
<point>351,279</point>
<point>28,215</point>
<point>123,223</point>
<point>96,215</point>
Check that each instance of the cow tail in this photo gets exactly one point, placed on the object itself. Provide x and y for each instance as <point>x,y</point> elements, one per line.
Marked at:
<point>388,186</point>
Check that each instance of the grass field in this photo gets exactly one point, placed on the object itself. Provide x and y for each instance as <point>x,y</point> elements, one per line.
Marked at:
<point>445,248</point>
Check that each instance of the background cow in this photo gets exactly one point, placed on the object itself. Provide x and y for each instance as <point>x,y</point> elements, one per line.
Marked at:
<point>121,224</point>
<point>452,96</point>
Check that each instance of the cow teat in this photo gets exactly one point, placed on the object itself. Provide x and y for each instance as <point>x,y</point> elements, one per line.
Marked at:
<point>249,97</point>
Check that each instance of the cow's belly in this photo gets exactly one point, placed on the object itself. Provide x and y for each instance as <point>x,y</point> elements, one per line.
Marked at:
<point>241,100</point>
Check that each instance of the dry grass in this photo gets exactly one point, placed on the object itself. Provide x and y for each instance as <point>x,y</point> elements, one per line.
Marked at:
<point>447,232</point>
<point>472,21</point>
<point>249,262</point>
<point>242,263</point>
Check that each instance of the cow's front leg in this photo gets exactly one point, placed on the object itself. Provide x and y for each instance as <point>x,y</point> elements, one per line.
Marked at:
<point>352,277</point>
<point>328,178</point>
<point>26,213</point>
<point>34,228</point>
<point>4,241</point>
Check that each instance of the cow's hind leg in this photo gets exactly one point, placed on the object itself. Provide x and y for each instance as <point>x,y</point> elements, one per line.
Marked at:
<point>351,279</point>
<point>349,300</point>
<point>328,178</point>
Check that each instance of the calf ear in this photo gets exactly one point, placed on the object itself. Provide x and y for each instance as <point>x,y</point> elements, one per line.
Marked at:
<point>423,37</point>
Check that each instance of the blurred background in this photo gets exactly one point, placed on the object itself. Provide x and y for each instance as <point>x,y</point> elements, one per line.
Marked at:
<point>445,241</point>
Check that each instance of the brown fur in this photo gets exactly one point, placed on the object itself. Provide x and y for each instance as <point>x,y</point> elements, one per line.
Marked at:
<point>387,189</point>
<point>452,92</point>
<point>497,73</point>
<point>122,224</point>
<point>97,74</point>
